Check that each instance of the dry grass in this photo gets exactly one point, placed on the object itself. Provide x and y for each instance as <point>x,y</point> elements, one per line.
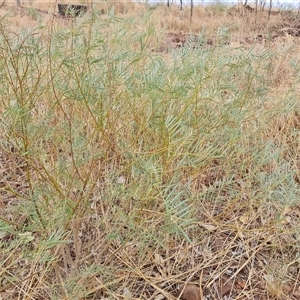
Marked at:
<point>140,163</point>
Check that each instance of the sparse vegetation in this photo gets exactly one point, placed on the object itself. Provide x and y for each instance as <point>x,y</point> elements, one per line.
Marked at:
<point>131,166</point>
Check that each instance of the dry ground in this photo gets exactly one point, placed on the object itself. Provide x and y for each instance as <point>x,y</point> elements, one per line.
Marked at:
<point>245,26</point>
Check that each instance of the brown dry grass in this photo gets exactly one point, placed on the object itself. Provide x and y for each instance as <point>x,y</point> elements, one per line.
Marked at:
<point>121,243</point>
<point>209,18</point>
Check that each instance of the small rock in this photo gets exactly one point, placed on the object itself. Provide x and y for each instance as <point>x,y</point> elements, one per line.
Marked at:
<point>190,292</point>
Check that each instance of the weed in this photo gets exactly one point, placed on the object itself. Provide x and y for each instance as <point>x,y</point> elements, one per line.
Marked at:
<point>127,172</point>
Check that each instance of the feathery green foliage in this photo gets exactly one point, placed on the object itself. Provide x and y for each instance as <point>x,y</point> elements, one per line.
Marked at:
<point>111,153</point>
